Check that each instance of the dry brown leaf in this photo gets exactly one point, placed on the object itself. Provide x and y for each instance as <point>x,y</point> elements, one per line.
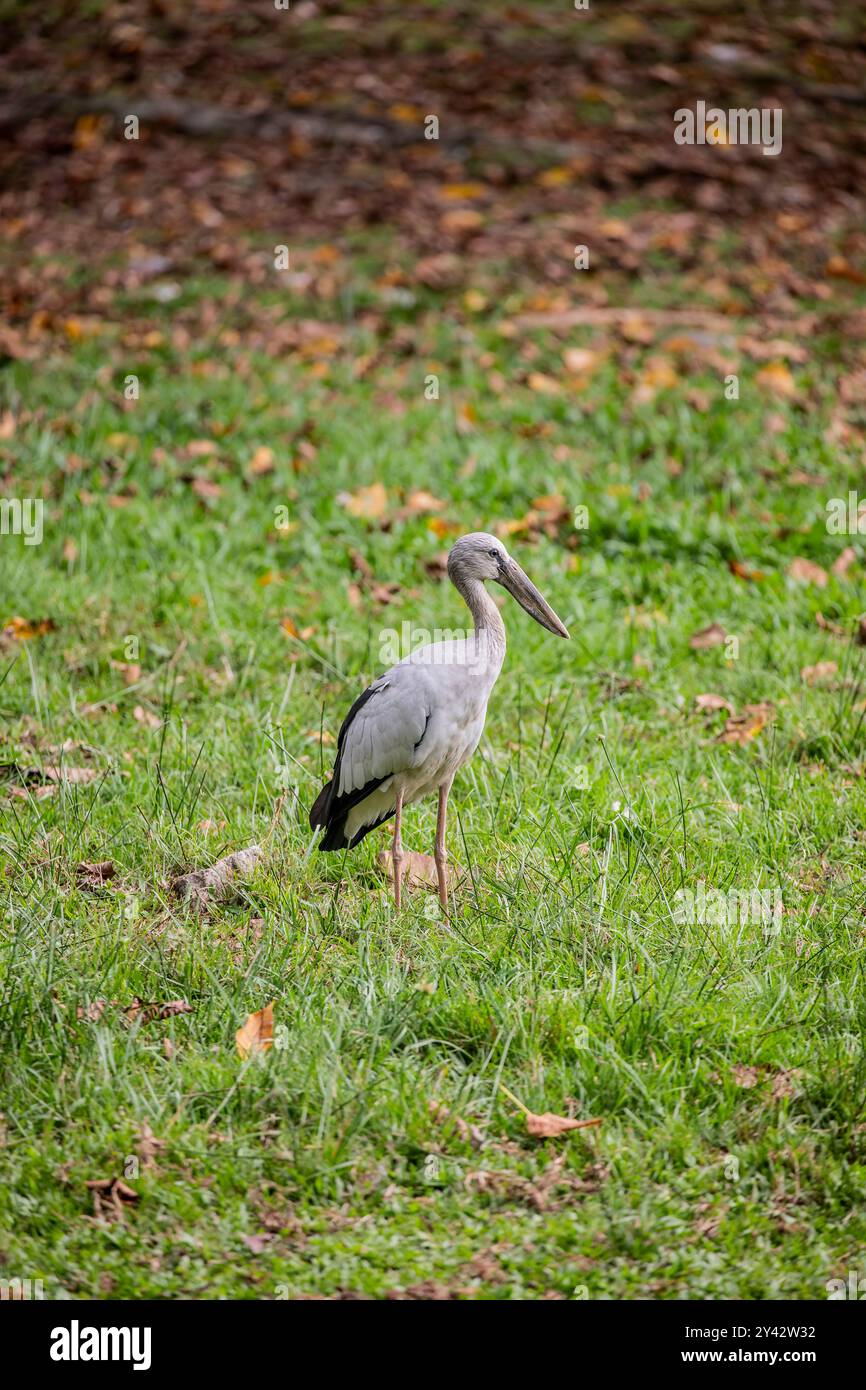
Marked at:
<point>579,361</point>
<point>742,571</point>
<point>713,702</point>
<point>215,882</point>
<point>659,374</point>
<point>148,1146</point>
<point>23,630</point>
<point>543,384</point>
<point>420,502</point>
<point>843,562</point>
<point>146,717</point>
<point>110,1197</point>
<point>130,670</point>
<point>199,448</point>
<point>822,671</point>
<point>262,461</point>
<point>712,636</point>
<point>549,1126</point>
<point>89,876</point>
<point>839,269</point>
<point>419,870</point>
<point>368,503</point>
<point>206,488</point>
<point>807,572</point>
<point>148,1012</point>
<point>742,728</point>
<point>257,1033</point>
<point>47,775</point>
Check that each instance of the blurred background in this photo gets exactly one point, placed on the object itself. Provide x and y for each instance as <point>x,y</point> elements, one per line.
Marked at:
<point>305,126</point>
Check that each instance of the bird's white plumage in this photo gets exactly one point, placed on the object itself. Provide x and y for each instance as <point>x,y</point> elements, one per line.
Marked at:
<point>421,724</point>
<point>415,727</point>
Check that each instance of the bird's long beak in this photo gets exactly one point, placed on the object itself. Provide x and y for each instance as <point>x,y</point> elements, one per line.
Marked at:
<point>521,587</point>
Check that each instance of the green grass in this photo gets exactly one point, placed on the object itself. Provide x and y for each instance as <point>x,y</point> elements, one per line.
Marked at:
<point>565,975</point>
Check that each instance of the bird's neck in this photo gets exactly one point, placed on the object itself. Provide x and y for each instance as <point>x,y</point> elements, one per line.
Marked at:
<point>486,617</point>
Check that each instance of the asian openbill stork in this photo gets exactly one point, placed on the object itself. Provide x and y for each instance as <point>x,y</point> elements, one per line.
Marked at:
<point>414,727</point>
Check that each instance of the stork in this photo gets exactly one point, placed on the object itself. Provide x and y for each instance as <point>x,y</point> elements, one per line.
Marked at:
<point>411,731</point>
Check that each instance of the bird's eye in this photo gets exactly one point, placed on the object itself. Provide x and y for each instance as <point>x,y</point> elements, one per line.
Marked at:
<point>494,553</point>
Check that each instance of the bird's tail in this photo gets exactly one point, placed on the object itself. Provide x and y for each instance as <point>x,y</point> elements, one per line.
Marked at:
<point>320,807</point>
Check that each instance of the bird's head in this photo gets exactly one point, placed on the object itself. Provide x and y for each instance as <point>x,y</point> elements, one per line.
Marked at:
<point>480,556</point>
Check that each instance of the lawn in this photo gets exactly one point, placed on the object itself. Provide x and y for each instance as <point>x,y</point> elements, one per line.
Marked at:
<point>248,483</point>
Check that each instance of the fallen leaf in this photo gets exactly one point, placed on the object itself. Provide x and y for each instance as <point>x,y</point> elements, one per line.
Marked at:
<point>262,461</point>
<point>747,1077</point>
<point>543,384</point>
<point>257,1244</point>
<point>146,717</point>
<point>148,1146</point>
<point>90,876</point>
<point>151,1012</point>
<point>40,776</point>
<point>548,1126</point>
<point>369,503</point>
<point>419,503</point>
<point>419,870</point>
<point>257,1033</point>
<point>199,448</point>
<point>843,562</point>
<point>130,670</point>
<point>201,885</point>
<point>658,375</point>
<point>206,488</point>
<point>110,1197</point>
<point>742,571</point>
<point>579,360</point>
<point>713,702</point>
<point>838,268</point>
<point>776,378</point>
<point>94,1011</point>
<point>813,675</point>
<point>807,572</point>
<point>742,728</point>
<point>21,630</point>
<point>712,636</point>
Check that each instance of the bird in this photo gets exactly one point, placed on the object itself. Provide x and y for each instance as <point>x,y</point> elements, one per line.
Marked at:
<point>409,733</point>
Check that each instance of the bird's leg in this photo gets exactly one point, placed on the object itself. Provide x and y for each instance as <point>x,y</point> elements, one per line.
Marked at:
<point>440,853</point>
<point>397,851</point>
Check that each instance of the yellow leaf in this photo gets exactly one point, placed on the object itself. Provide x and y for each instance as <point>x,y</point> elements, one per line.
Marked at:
<point>460,192</point>
<point>257,1033</point>
<point>406,114</point>
<point>554,178</point>
<point>20,630</point>
<point>777,379</point>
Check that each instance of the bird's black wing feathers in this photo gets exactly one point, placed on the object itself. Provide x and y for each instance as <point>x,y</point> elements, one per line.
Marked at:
<point>329,811</point>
